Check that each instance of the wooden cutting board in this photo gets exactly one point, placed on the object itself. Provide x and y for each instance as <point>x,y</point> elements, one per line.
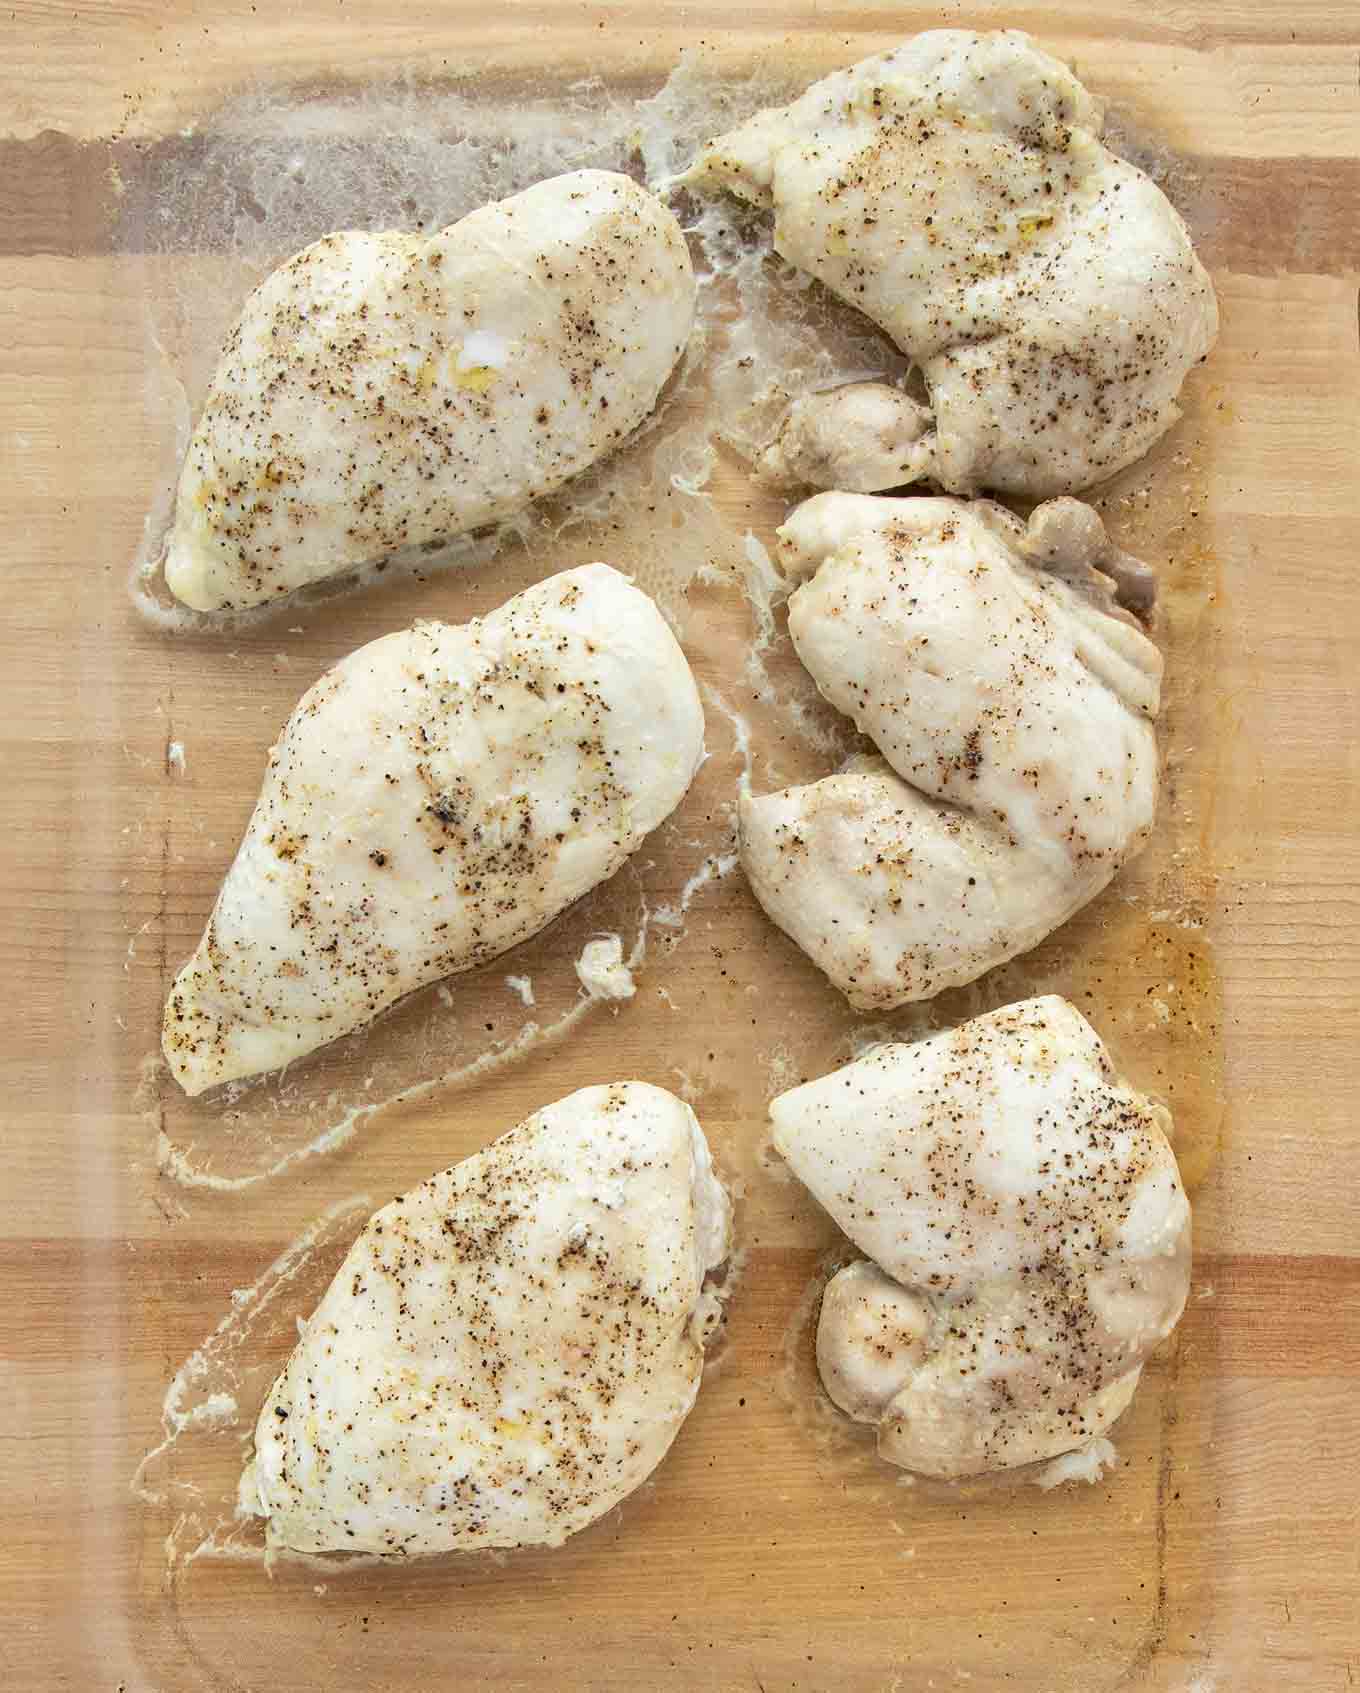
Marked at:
<point>771,1551</point>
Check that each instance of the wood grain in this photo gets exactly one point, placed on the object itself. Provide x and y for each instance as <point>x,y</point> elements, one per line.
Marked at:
<point>771,1551</point>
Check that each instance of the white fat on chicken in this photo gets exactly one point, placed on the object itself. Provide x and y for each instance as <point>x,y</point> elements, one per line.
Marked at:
<point>438,796</point>
<point>509,1349</point>
<point>1028,1231</point>
<point>382,392</point>
<point>1013,704</point>
<point>956,191</point>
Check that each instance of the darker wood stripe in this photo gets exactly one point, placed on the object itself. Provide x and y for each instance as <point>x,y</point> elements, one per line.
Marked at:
<point>78,199</point>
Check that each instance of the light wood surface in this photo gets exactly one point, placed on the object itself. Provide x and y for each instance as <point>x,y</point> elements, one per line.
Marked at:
<point>771,1551</point>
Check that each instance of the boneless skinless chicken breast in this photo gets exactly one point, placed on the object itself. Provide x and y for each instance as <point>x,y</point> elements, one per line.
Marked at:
<point>956,190</point>
<point>383,391</point>
<point>1029,1237</point>
<point>438,796</point>
<point>509,1349</point>
<point>1012,701</point>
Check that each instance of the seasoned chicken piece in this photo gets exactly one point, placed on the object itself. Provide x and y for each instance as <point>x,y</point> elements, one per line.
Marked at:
<point>381,392</point>
<point>1031,1237</point>
<point>957,192</point>
<point>509,1349</point>
<point>893,895</point>
<point>1014,712</point>
<point>985,681</point>
<point>438,796</point>
<point>863,438</point>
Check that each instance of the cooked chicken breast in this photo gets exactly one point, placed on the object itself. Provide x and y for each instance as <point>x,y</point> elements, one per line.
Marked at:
<point>1013,704</point>
<point>509,1349</point>
<point>957,192</point>
<point>381,392</point>
<point>1028,1228</point>
<point>438,796</point>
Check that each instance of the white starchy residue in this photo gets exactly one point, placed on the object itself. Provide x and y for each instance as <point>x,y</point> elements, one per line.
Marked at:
<point>1087,1463</point>
<point>602,971</point>
<point>764,586</point>
<point>782,1068</point>
<point>741,734</point>
<point>523,986</point>
<point>216,1411</point>
<point>174,757</point>
<point>868,1036</point>
<point>692,475</point>
<point>713,869</point>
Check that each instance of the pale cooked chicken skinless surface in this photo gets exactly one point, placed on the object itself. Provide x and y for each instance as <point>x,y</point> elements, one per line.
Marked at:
<point>509,1349</point>
<point>1013,705</point>
<point>957,192</point>
<point>438,796</point>
<point>383,391</point>
<point>1028,1227</point>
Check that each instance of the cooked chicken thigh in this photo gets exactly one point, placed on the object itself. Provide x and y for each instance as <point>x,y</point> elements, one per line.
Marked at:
<point>509,1349</point>
<point>1013,707</point>
<point>385,391</point>
<point>957,192</point>
<point>438,796</point>
<point>1029,1231</point>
